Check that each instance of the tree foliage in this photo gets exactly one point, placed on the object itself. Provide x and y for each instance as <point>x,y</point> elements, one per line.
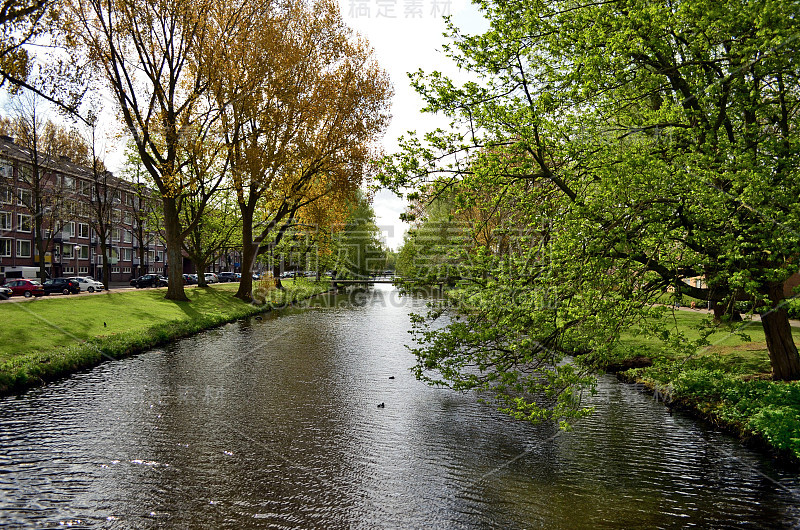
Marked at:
<point>357,249</point>
<point>302,109</point>
<point>638,144</point>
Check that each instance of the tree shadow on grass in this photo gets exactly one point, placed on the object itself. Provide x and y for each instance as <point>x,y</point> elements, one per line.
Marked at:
<point>207,301</point>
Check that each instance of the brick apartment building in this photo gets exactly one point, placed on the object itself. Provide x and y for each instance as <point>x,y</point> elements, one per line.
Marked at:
<point>67,192</point>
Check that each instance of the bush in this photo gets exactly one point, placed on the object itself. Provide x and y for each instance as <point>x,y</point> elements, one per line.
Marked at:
<point>770,409</point>
<point>793,307</point>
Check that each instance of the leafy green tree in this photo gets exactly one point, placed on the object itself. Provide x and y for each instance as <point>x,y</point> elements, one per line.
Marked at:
<point>358,250</point>
<point>218,228</point>
<point>432,248</point>
<point>640,144</point>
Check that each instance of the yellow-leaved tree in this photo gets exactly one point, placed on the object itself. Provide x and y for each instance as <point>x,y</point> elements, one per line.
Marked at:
<point>302,106</point>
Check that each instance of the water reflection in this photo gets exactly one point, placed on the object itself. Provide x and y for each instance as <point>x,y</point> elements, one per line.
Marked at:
<point>275,423</point>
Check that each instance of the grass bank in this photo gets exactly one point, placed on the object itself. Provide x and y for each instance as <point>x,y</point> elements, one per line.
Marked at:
<point>726,382</point>
<point>43,339</point>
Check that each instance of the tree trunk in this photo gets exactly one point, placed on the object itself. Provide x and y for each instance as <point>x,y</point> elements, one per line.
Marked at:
<point>201,274</point>
<point>276,274</point>
<point>782,351</point>
<point>245,291</point>
<point>106,270</point>
<point>172,232</point>
<point>722,310</point>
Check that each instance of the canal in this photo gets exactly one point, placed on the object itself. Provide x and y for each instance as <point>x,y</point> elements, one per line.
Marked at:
<point>275,423</point>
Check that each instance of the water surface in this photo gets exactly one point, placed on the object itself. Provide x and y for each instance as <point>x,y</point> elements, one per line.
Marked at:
<point>274,423</point>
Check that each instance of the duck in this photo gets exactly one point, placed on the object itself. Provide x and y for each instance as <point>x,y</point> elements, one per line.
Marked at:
<point>381,405</point>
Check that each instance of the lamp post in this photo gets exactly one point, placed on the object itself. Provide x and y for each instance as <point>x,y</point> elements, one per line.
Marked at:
<point>77,249</point>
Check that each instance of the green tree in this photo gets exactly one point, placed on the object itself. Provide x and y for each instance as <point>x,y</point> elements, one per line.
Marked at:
<point>358,251</point>
<point>432,249</point>
<point>217,229</point>
<point>641,144</point>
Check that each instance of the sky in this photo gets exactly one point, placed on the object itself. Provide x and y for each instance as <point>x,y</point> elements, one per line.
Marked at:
<point>406,36</point>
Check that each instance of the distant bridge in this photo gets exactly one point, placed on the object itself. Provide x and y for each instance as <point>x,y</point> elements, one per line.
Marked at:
<point>363,281</point>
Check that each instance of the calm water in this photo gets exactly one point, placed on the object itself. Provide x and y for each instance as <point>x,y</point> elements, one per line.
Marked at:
<point>274,423</point>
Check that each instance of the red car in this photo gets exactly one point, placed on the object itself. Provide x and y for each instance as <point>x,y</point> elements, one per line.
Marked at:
<point>26,288</point>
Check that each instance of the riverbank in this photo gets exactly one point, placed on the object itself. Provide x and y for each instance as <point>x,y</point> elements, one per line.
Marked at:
<point>726,382</point>
<point>46,339</point>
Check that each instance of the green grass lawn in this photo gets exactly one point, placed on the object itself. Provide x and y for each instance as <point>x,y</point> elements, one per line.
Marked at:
<point>726,348</point>
<point>727,381</point>
<point>44,338</point>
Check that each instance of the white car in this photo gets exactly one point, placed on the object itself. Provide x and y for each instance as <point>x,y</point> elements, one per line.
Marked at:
<point>88,284</point>
<point>211,278</point>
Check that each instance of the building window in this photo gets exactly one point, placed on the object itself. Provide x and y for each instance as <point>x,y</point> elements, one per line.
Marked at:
<point>126,270</point>
<point>115,234</point>
<point>24,222</point>
<point>6,170</point>
<point>115,270</point>
<point>83,230</point>
<point>86,187</point>
<point>66,251</point>
<point>84,252</point>
<point>68,270</point>
<point>128,218</point>
<point>23,248</point>
<point>160,255</point>
<point>128,236</point>
<point>6,195</point>
<point>25,175</point>
<point>23,197</point>
<point>5,247</point>
<point>5,220</point>
<point>69,182</point>
<point>127,254</point>
<point>71,208</point>
<point>83,270</point>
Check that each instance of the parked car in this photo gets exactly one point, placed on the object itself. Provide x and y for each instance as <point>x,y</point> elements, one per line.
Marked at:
<point>189,279</point>
<point>61,285</point>
<point>5,292</point>
<point>194,278</point>
<point>211,277</point>
<point>88,284</point>
<point>227,276</point>
<point>149,280</point>
<point>26,288</point>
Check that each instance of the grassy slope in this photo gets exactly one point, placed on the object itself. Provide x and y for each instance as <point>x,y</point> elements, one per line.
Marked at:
<point>746,358</point>
<point>46,338</point>
<point>726,382</point>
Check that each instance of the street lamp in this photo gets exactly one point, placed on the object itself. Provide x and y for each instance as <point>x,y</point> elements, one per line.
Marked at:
<point>77,250</point>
